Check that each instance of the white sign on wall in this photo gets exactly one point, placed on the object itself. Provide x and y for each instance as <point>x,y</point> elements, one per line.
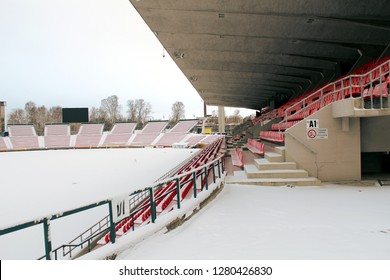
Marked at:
<point>312,123</point>
<point>313,130</point>
<point>120,208</point>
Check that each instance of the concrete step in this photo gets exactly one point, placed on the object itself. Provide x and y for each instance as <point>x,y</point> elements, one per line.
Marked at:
<point>253,172</point>
<point>264,164</point>
<point>280,150</point>
<point>273,157</point>
<point>241,178</point>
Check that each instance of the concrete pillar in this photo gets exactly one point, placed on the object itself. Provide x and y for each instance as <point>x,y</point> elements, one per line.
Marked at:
<point>221,119</point>
<point>345,124</point>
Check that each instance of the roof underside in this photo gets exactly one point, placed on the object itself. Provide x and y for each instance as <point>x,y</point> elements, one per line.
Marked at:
<point>243,53</point>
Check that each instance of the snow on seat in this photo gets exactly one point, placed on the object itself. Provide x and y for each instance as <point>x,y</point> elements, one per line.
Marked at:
<point>85,140</point>
<point>143,139</point>
<point>57,129</point>
<point>24,142</point>
<point>89,135</point>
<point>210,139</point>
<point>154,127</point>
<point>3,146</point>
<point>117,139</point>
<point>91,129</point>
<point>21,130</point>
<point>166,194</point>
<point>183,126</point>
<point>120,134</point>
<point>57,141</point>
<point>57,136</point>
<point>168,139</point>
<point>195,139</point>
<point>123,128</point>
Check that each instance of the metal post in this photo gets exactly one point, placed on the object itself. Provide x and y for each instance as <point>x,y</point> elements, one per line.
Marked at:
<point>152,205</point>
<point>112,223</point>
<point>350,87</point>
<point>371,92</point>
<point>47,235</point>
<point>361,90</point>
<point>213,172</point>
<point>178,193</point>
<point>219,168</point>
<point>206,177</point>
<point>194,185</point>
<point>380,87</point>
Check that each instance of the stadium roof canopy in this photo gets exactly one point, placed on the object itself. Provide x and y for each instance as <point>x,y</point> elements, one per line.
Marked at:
<point>243,53</point>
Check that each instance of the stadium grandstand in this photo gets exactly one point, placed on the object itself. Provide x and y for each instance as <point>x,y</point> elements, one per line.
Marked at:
<point>317,74</point>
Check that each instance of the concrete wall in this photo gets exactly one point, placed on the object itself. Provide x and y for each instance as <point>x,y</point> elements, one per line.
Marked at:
<point>375,136</point>
<point>335,158</point>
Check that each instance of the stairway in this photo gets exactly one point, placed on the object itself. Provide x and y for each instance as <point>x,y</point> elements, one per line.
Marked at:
<point>273,170</point>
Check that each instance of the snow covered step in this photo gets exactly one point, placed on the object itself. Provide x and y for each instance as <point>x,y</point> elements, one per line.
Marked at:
<point>252,172</point>
<point>264,164</point>
<point>241,178</point>
<point>273,157</point>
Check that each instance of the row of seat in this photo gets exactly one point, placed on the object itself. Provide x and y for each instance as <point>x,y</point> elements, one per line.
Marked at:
<point>91,135</point>
<point>165,195</point>
<point>93,129</point>
<point>283,126</point>
<point>354,84</point>
<point>237,158</point>
<point>371,82</point>
<point>255,147</point>
<point>273,136</point>
<point>105,140</point>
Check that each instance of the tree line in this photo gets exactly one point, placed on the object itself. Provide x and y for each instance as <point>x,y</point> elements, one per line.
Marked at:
<point>110,112</point>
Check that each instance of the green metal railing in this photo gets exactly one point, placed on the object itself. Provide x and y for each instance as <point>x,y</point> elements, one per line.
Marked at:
<point>108,223</point>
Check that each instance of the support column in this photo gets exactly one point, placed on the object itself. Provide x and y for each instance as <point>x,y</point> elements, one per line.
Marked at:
<point>221,119</point>
<point>345,124</point>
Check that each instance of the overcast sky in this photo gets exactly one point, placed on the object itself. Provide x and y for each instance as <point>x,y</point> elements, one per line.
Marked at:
<point>74,53</point>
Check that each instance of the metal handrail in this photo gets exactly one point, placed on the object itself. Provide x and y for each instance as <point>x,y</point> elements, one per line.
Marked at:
<point>208,151</point>
<point>273,113</point>
<point>342,88</point>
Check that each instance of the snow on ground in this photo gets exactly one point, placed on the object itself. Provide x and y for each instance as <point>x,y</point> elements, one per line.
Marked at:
<point>36,184</point>
<point>255,222</point>
<point>243,222</point>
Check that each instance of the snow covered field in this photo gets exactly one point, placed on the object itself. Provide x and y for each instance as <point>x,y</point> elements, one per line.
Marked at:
<point>253,222</point>
<point>244,222</point>
<point>36,184</point>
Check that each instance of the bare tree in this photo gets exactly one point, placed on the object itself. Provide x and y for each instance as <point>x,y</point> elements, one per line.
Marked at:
<point>236,118</point>
<point>112,109</point>
<point>131,111</point>
<point>97,115</point>
<point>30,110</point>
<point>41,115</point>
<point>139,111</point>
<point>17,116</point>
<point>54,115</point>
<point>178,113</point>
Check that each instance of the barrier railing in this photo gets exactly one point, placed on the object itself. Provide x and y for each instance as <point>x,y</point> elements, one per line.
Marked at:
<point>119,210</point>
<point>359,85</point>
<point>353,86</point>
